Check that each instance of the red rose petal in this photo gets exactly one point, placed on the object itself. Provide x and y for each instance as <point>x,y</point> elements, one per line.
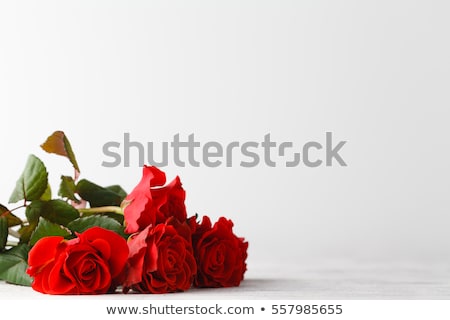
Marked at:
<point>42,253</point>
<point>84,265</point>
<point>140,196</point>
<point>220,254</point>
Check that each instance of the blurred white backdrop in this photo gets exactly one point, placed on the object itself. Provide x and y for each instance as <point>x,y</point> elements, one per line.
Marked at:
<point>376,74</point>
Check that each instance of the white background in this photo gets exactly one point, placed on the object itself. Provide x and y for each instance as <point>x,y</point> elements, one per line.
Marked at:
<point>375,73</point>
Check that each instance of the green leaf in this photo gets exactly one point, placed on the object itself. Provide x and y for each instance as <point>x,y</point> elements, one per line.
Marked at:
<point>82,224</point>
<point>12,219</point>
<point>59,211</point>
<point>116,216</point>
<point>47,194</point>
<point>99,196</point>
<point>46,228</point>
<point>26,231</point>
<point>67,188</point>
<point>56,211</point>
<point>58,143</point>
<point>118,190</point>
<point>13,265</point>
<point>32,183</point>
<point>3,232</point>
<point>33,211</point>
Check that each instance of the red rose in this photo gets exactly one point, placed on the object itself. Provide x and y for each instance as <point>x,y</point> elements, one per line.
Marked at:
<point>161,259</point>
<point>151,202</point>
<point>88,264</point>
<point>220,254</point>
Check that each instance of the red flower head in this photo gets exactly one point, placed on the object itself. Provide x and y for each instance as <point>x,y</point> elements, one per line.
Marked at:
<point>151,202</point>
<point>88,264</point>
<point>161,259</point>
<point>220,254</point>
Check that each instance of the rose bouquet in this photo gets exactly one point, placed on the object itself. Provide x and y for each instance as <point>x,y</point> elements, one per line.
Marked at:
<point>95,240</point>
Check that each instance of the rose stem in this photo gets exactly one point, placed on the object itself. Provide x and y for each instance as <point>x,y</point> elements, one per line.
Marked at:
<point>106,209</point>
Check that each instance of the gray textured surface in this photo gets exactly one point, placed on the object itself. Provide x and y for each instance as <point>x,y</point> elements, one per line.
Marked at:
<point>328,280</point>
